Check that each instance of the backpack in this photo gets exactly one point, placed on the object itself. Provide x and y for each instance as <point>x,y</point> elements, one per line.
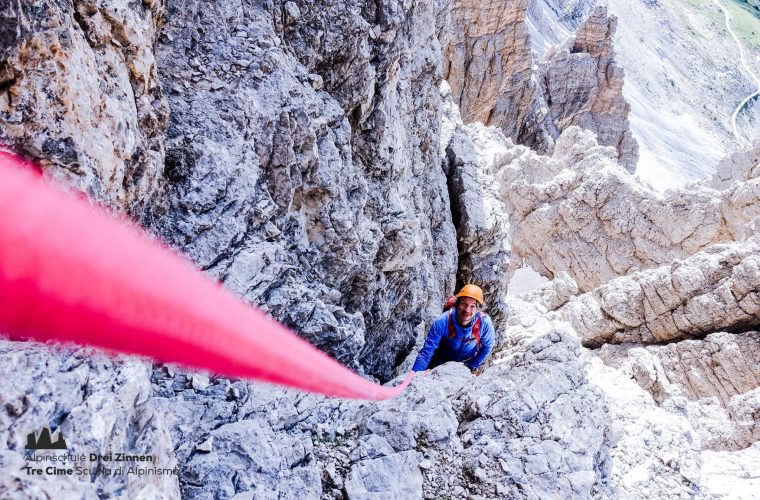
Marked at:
<point>449,306</point>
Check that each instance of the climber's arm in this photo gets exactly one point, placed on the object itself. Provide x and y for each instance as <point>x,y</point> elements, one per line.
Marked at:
<point>432,341</point>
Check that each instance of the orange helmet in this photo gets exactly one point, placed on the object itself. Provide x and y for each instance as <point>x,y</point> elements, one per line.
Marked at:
<point>472,291</point>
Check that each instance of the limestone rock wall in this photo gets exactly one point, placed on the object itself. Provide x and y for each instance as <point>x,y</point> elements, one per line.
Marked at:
<point>714,290</point>
<point>80,95</point>
<point>715,382</point>
<point>583,86</point>
<point>490,64</point>
<point>299,172</point>
<point>551,22</point>
<point>301,164</point>
<point>579,211</point>
<point>478,214</point>
<point>312,164</point>
<point>515,430</point>
<point>100,405</point>
<point>673,346</point>
<point>670,404</point>
<point>498,79</point>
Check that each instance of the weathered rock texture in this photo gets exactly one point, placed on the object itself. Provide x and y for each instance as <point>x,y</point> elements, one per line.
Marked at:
<point>651,449</point>
<point>657,452</point>
<point>580,212</point>
<point>717,289</point>
<point>742,165</point>
<point>100,405</point>
<point>715,383</point>
<point>583,86</point>
<point>706,388</point>
<point>232,437</point>
<point>662,437</point>
<point>531,427</point>
<point>79,93</point>
<point>490,67</point>
<point>546,420</point>
<point>304,165</point>
<point>302,156</point>
<point>490,64</point>
<point>303,168</point>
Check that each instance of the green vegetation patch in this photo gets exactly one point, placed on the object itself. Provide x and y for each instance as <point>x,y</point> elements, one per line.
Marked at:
<point>745,21</point>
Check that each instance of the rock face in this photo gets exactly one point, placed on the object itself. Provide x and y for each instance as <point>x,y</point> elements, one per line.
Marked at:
<point>579,212</point>
<point>583,86</point>
<point>742,165</point>
<point>489,63</point>
<point>314,165</point>
<point>515,430</point>
<point>100,406</point>
<point>79,93</point>
<point>532,426</point>
<point>491,72</point>
<point>714,290</point>
<point>682,394</point>
<point>298,172</point>
<point>296,168</point>
<point>478,214</point>
<point>657,451</point>
<point>715,383</point>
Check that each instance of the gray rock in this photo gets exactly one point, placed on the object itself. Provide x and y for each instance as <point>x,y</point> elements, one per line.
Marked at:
<point>327,207</point>
<point>716,289</point>
<point>292,11</point>
<point>206,446</point>
<point>715,382</point>
<point>579,212</point>
<point>394,476</point>
<point>248,456</point>
<point>497,80</point>
<point>198,381</point>
<point>481,221</point>
<point>371,446</point>
<point>315,167</point>
<point>87,103</point>
<point>101,406</point>
<point>584,86</point>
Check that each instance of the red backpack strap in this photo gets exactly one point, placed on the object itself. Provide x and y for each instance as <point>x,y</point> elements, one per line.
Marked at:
<point>452,331</point>
<point>476,330</point>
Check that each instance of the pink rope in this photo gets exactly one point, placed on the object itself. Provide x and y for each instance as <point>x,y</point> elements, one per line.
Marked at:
<point>71,273</point>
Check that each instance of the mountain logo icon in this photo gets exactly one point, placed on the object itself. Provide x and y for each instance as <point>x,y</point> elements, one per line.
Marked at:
<point>45,441</point>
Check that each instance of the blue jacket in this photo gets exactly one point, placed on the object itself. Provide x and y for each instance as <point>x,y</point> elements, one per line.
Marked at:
<point>462,347</point>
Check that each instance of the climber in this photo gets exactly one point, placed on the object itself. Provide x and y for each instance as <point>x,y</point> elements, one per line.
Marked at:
<point>462,333</point>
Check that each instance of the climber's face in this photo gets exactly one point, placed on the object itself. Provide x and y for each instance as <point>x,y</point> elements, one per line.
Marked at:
<point>466,309</point>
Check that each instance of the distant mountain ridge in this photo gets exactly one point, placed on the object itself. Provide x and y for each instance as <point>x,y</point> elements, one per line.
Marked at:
<point>682,76</point>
